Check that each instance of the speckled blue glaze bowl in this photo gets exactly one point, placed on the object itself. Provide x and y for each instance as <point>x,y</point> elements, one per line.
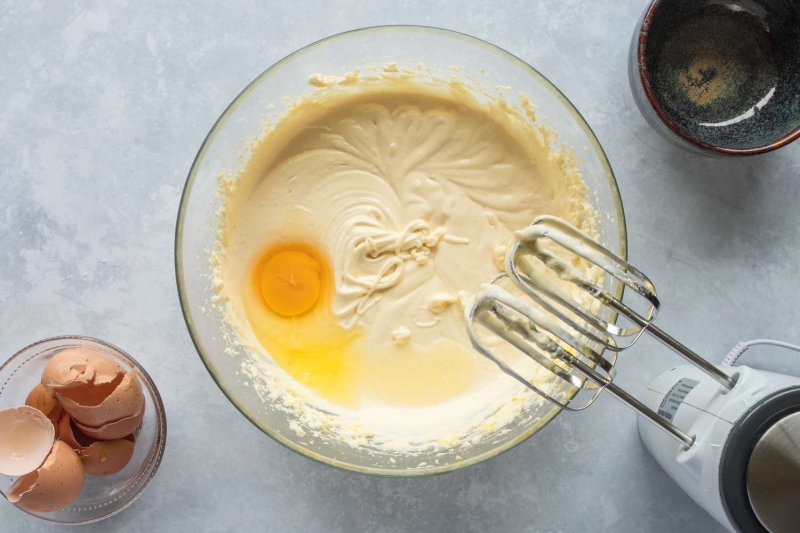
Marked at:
<point>719,78</point>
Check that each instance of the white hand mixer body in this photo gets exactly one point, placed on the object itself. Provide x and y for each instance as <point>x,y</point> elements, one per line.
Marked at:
<point>701,407</point>
<point>735,431</point>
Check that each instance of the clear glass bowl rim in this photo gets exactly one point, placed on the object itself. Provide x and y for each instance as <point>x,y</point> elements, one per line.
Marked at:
<point>186,310</point>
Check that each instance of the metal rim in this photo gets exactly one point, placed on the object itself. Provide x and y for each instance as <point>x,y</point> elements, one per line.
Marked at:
<point>735,458</point>
<point>773,475</point>
<point>186,195</point>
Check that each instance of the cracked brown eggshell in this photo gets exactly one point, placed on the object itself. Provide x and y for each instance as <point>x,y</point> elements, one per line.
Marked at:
<point>107,457</point>
<point>78,367</point>
<point>26,436</point>
<point>45,401</point>
<point>114,430</point>
<point>53,486</point>
<point>99,406</point>
<point>99,457</point>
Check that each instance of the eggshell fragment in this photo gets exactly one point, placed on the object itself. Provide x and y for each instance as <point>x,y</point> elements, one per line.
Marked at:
<point>77,367</point>
<point>26,436</point>
<point>64,431</point>
<point>55,485</point>
<point>94,410</point>
<point>99,457</point>
<point>45,401</point>
<point>107,457</point>
<point>114,430</point>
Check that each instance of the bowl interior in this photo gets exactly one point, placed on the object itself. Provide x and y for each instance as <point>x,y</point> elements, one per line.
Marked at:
<point>446,54</point>
<point>725,74</point>
<point>101,497</point>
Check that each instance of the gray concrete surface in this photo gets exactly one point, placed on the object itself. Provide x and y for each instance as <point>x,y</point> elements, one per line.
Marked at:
<point>103,106</point>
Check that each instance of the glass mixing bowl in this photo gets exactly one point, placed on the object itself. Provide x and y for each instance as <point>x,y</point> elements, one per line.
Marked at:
<point>447,54</point>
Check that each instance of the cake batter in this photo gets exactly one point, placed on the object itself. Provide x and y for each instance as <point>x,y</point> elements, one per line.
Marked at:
<point>348,237</point>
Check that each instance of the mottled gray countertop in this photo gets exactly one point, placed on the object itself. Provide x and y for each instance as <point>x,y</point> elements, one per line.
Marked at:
<point>103,106</point>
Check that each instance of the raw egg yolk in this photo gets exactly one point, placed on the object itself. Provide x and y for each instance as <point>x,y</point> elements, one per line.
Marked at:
<point>290,282</point>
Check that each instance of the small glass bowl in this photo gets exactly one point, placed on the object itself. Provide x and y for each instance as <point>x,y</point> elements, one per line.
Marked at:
<point>101,496</point>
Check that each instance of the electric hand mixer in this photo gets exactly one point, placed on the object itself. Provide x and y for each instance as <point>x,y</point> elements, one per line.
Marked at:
<point>735,446</point>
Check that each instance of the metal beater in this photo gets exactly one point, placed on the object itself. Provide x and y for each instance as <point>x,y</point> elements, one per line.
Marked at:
<point>576,342</point>
<point>738,449</point>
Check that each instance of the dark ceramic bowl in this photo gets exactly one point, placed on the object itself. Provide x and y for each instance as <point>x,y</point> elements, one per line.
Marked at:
<point>719,77</point>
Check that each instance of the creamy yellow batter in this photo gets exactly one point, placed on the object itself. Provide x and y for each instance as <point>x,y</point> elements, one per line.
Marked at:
<point>405,193</point>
